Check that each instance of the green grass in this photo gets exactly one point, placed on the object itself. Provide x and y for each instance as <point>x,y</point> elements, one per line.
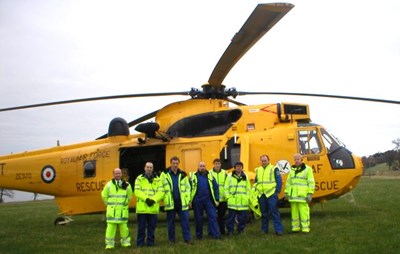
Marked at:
<point>381,169</point>
<point>366,222</point>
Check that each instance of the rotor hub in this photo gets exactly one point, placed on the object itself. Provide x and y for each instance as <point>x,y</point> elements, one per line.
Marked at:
<point>213,92</point>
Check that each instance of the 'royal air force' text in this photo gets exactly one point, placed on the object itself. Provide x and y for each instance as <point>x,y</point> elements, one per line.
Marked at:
<point>98,154</point>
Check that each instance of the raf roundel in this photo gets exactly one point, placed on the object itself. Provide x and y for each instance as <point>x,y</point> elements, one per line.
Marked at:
<point>48,174</point>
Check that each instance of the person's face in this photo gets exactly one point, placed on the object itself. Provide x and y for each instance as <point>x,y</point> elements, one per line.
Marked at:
<point>239,169</point>
<point>174,164</point>
<point>297,160</point>
<point>117,174</point>
<point>217,166</point>
<point>264,161</point>
<point>148,168</point>
<point>202,167</point>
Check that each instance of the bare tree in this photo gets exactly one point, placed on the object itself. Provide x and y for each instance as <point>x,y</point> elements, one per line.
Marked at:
<point>396,164</point>
<point>396,143</point>
<point>5,192</point>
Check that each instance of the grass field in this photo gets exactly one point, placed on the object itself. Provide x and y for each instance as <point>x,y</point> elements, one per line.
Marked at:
<point>366,222</point>
<point>381,170</point>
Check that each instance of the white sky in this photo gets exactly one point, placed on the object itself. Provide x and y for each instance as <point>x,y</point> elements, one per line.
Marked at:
<point>60,50</point>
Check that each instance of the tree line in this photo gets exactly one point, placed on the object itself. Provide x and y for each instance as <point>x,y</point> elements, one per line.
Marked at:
<point>390,157</point>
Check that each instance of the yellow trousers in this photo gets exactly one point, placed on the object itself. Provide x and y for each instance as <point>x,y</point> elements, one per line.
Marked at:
<point>300,216</point>
<point>123,231</point>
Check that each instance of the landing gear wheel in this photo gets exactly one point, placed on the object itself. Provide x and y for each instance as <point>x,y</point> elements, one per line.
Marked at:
<point>62,220</point>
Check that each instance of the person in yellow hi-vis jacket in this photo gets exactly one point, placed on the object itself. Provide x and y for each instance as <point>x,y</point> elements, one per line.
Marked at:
<point>220,176</point>
<point>176,199</point>
<point>149,192</point>
<point>237,192</point>
<point>116,195</point>
<point>268,184</point>
<point>300,186</point>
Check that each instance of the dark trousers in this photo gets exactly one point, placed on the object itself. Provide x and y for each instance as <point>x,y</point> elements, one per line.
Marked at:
<point>198,209</point>
<point>270,206</point>
<point>221,211</point>
<point>184,219</point>
<point>241,217</point>
<point>146,221</point>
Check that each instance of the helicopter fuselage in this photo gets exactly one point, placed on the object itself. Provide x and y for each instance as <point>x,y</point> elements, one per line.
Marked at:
<point>194,130</point>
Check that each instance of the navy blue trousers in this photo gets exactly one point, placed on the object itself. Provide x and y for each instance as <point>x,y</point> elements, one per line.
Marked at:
<point>184,219</point>
<point>198,209</point>
<point>146,221</point>
<point>270,206</point>
<point>241,217</point>
<point>221,211</point>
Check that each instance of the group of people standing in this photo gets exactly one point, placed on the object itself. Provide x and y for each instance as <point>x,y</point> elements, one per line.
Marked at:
<point>214,192</point>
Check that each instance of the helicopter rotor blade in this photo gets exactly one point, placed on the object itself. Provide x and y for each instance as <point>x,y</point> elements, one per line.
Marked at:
<point>236,102</point>
<point>321,95</point>
<point>261,20</point>
<point>136,121</point>
<point>112,97</point>
<point>143,118</point>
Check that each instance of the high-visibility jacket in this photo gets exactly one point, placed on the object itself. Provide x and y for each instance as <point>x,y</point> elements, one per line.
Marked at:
<point>183,187</point>
<point>220,177</point>
<point>254,204</point>
<point>148,188</point>
<point>299,183</point>
<point>237,191</point>
<point>211,183</point>
<point>265,182</point>
<point>117,198</point>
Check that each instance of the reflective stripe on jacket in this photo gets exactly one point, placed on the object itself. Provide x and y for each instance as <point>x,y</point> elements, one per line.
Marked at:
<point>220,177</point>
<point>145,189</point>
<point>265,182</point>
<point>212,184</point>
<point>299,183</point>
<point>183,186</point>
<point>237,192</point>
<point>117,201</point>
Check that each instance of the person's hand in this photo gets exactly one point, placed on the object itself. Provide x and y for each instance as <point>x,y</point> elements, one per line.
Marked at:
<point>286,197</point>
<point>217,204</point>
<point>150,202</point>
<point>309,198</point>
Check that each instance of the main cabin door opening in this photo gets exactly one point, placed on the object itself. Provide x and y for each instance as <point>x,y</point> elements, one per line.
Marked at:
<point>133,159</point>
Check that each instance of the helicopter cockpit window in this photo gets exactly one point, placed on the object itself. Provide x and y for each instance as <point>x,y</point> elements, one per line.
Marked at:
<point>89,169</point>
<point>309,142</point>
<point>208,124</point>
<point>339,156</point>
<point>330,142</point>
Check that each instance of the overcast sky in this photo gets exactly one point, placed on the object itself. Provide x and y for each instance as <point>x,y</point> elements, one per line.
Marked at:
<point>60,50</point>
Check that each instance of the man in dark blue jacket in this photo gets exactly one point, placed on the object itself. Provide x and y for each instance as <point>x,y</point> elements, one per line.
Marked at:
<point>204,196</point>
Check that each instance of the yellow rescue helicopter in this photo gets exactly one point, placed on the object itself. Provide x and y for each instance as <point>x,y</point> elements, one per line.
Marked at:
<point>211,124</point>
